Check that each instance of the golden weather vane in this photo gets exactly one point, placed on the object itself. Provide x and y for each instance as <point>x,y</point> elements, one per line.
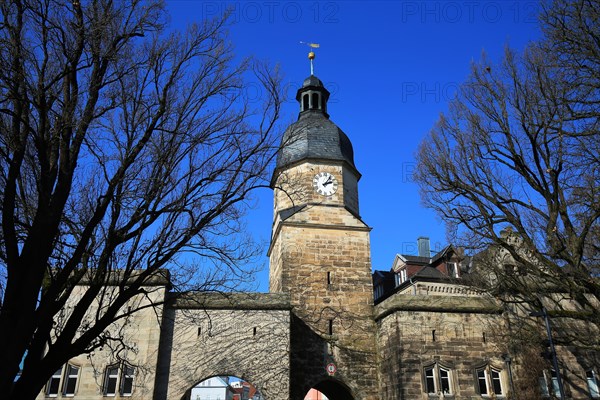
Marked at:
<point>311,54</point>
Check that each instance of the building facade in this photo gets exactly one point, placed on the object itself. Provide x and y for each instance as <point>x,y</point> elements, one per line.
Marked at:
<point>423,335</point>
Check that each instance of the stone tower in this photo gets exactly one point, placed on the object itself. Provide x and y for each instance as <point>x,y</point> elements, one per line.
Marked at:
<point>320,255</point>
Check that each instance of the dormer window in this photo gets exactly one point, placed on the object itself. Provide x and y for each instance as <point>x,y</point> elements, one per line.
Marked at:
<point>452,269</point>
<point>401,277</point>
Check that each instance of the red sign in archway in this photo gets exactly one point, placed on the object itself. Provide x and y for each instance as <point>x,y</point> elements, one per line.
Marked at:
<point>331,369</point>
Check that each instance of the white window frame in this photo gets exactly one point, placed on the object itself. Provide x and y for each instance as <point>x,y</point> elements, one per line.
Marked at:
<point>116,377</point>
<point>69,377</point>
<point>592,382</point>
<point>403,275</point>
<point>111,380</point>
<point>436,375</point>
<point>489,375</point>
<point>455,273</point>
<point>126,376</point>
<point>552,390</point>
<point>55,378</point>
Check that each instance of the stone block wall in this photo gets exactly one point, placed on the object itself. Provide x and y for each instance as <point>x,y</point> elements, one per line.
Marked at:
<point>141,334</point>
<point>457,333</point>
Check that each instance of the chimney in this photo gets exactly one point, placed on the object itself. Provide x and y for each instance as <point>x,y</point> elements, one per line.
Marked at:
<point>423,244</point>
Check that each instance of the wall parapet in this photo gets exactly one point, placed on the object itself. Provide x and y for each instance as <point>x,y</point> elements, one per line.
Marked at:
<point>230,301</point>
<point>458,304</point>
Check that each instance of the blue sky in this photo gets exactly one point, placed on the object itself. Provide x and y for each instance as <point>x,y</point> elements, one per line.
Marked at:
<point>392,67</point>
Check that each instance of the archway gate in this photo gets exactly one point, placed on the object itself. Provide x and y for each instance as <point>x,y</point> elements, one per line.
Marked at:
<point>241,334</point>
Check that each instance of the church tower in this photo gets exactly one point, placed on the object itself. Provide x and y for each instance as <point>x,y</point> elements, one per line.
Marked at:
<point>320,255</point>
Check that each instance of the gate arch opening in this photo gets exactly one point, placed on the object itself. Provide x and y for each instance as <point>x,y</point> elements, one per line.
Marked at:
<point>329,390</point>
<point>223,387</point>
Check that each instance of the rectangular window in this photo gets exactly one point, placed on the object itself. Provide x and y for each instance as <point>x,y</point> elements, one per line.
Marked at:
<point>544,386</point>
<point>592,383</point>
<point>555,387</point>
<point>127,380</point>
<point>70,383</point>
<point>452,270</point>
<point>496,383</point>
<point>445,380</point>
<point>54,384</point>
<point>378,291</point>
<point>403,275</point>
<point>481,380</point>
<point>429,380</point>
<point>110,380</point>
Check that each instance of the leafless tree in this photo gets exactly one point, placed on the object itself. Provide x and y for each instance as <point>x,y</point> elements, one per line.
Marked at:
<point>518,152</point>
<point>126,149</point>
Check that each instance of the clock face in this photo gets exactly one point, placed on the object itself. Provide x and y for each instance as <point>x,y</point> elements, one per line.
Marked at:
<point>325,183</point>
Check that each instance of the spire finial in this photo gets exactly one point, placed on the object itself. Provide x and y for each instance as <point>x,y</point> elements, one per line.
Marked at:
<point>311,54</point>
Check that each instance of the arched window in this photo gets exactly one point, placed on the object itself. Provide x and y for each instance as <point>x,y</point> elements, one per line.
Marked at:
<point>315,100</point>
<point>305,102</point>
<point>437,379</point>
<point>489,381</point>
<point>118,376</point>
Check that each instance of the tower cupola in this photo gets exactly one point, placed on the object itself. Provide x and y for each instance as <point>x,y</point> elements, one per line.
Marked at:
<point>313,96</point>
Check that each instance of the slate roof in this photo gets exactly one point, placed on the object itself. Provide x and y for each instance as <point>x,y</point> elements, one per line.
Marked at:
<point>429,272</point>
<point>314,136</point>
<point>312,81</point>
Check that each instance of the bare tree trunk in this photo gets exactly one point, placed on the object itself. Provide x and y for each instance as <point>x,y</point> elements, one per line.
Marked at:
<point>123,147</point>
